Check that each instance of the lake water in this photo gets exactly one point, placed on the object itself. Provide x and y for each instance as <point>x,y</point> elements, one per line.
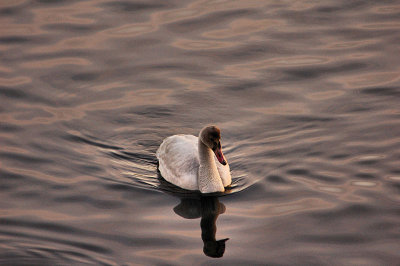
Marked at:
<point>306,93</point>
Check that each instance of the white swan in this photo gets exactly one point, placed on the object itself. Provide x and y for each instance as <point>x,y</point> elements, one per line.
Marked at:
<point>195,163</point>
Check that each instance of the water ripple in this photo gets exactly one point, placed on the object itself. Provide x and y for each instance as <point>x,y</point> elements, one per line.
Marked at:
<point>306,95</point>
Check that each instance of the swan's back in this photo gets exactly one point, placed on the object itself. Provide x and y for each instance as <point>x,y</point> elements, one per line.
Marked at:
<point>178,159</point>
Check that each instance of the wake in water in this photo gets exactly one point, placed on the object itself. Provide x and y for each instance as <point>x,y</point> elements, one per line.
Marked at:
<point>140,170</point>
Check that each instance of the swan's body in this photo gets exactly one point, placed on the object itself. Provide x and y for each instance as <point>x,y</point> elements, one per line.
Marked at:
<point>189,162</point>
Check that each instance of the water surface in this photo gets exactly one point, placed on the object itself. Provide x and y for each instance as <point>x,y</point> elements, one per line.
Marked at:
<point>306,94</point>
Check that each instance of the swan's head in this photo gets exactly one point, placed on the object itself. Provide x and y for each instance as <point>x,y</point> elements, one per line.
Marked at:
<point>211,137</point>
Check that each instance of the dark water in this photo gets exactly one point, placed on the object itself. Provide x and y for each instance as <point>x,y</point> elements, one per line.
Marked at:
<point>307,96</point>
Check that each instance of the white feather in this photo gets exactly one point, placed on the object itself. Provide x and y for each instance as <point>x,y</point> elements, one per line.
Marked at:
<point>179,164</point>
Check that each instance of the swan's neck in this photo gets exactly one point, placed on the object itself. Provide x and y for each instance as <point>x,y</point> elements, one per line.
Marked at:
<point>206,156</point>
<point>208,178</point>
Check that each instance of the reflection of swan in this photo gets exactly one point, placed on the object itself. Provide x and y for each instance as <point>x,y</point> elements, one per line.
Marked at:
<point>208,208</point>
<point>189,162</point>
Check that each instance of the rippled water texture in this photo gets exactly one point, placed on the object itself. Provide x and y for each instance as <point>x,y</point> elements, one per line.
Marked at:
<point>307,96</point>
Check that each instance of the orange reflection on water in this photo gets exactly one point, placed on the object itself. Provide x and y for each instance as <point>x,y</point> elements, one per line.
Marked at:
<point>240,27</point>
<point>15,81</point>
<point>201,44</point>
<point>172,255</point>
<point>56,62</point>
<point>75,13</point>
<point>374,79</point>
<point>277,209</point>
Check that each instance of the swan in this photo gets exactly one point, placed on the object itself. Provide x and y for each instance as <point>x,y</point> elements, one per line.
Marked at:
<point>195,163</point>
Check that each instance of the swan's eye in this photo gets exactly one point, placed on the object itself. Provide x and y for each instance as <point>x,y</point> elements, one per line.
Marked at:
<point>215,146</point>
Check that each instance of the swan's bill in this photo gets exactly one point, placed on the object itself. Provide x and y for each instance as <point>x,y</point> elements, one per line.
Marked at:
<point>220,156</point>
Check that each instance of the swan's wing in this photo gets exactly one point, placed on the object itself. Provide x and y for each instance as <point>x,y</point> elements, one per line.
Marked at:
<point>178,158</point>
